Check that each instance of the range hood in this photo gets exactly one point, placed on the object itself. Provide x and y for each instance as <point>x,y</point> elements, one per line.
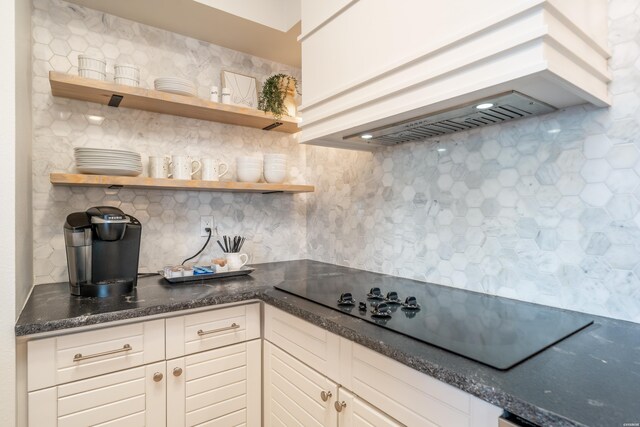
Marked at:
<point>408,81</point>
<point>484,112</point>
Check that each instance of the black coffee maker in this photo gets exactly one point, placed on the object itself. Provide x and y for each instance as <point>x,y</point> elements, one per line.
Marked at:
<point>103,248</point>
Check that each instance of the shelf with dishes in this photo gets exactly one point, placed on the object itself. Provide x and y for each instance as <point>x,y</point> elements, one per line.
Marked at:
<point>107,181</point>
<point>117,95</point>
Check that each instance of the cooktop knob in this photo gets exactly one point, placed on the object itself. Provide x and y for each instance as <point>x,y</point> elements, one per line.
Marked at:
<point>410,303</point>
<point>392,298</point>
<point>381,310</point>
<point>346,299</point>
<point>362,306</point>
<point>375,293</point>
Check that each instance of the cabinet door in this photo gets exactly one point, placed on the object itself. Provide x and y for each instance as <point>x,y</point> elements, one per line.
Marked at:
<point>133,397</point>
<point>219,387</point>
<point>293,392</point>
<point>358,413</point>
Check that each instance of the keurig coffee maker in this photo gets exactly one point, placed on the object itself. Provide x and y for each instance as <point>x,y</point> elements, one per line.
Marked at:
<point>103,247</point>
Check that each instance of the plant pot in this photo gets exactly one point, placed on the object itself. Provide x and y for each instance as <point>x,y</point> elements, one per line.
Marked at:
<point>289,100</point>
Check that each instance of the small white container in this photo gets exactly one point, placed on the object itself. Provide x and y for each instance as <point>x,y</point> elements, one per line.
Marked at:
<point>126,81</point>
<point>92,63</point>
<point>213,94</point>
<point>226,95</point>
<point>128,71</point>
<point>92,74</point>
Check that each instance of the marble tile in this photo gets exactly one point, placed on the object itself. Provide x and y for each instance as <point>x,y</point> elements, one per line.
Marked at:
<point>558,220</point>
<point>275,225</point>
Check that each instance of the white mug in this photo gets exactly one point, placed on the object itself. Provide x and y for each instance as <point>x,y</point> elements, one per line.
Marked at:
<point>235,260</point>
<point>213,169</point>
<point>158,167</point>
<point>182,167</point>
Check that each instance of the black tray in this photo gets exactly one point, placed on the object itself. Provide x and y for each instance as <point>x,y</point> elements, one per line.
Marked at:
<point>196,278</point>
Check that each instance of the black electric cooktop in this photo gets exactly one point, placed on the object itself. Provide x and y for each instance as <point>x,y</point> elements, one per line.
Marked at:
<point>498,332</point>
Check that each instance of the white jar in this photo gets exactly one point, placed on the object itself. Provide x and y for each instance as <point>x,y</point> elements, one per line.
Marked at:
<point>226,95</point>
<point>213,94</point>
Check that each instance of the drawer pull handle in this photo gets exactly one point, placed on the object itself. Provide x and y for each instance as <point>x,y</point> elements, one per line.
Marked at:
<point>78,357</point>
<point>325,395</point>
<point>340,405</point>
<point>177,372</point>
<point>157,377</point>
<point>214,331</point>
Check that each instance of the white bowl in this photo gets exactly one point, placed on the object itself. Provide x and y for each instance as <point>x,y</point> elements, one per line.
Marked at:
<point>92,74</point>
<point>129,71</point>
<point>249,159</point>
<point>126,81</point>
<point>249,172</point>
<point>274,177</point>
<point>249,176</point>
<point>92,63</point>
<point>275,168</point>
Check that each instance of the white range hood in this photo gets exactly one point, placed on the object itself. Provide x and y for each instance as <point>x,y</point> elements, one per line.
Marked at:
<point>392,70</point>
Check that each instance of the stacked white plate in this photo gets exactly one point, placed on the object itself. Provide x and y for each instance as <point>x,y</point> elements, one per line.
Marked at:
<point>103,161</point>
<point>175,85</point>
<point>275,168</point>
<point>249,169</point>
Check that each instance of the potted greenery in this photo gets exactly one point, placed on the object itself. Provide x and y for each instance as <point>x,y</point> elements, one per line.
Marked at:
<point>277,95</point>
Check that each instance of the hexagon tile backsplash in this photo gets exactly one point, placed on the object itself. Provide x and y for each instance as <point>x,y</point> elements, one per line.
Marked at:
<point>543,210</point>
<point>274,224</point>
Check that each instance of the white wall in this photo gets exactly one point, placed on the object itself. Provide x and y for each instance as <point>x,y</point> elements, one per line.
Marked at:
<point>7,214</point>
<point>15,215</point>
<point>24,223</point>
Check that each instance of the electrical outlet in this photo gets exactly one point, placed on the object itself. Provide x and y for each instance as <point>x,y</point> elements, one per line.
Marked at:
<point>206,222</point>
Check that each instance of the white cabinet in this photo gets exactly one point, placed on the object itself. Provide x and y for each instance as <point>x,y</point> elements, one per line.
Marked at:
<point>374,388</point>
<point>133,397</point>
<point>66,358</point>
<point>317,347</point>
<point>356,412</point>
<point>212,329</point>
<point>295,394</point>
<point>218,387</point>
<point>120,376</point>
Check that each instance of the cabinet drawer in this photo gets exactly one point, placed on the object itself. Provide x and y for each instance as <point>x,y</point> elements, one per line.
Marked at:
<point>58,360</point>
<point>198,332</point>
<point>313,345</point>
<point>413,398</point>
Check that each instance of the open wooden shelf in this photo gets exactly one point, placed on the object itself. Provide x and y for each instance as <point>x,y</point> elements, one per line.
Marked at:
<point>173,184</point>
<point>107,93</point>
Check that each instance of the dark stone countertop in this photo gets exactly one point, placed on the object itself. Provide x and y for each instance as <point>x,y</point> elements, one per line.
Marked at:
<point>591,378</point>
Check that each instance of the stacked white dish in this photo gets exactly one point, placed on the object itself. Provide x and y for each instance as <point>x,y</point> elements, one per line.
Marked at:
<point>175,85</point>
<point>275,168</point>
<point>92,67</point>
<point>249,169</point>
<point>102,161</point>
<point>127,74</point>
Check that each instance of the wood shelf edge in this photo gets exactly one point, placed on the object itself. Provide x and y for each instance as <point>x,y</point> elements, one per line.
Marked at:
<point>83,180</point>
<point>98,91</point>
